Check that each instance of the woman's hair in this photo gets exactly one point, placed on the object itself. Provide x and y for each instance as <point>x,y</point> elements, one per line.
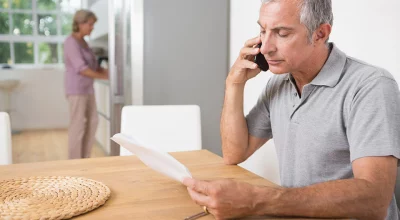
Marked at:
<point>82,16</point>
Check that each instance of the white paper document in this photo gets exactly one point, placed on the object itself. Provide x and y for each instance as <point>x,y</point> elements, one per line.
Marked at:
<point>157,160</point>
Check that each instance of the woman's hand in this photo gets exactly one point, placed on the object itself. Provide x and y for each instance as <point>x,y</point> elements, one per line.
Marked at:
<point>105,74</point>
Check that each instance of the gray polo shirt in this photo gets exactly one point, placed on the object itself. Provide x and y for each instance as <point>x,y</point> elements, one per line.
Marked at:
<point>350,110</point>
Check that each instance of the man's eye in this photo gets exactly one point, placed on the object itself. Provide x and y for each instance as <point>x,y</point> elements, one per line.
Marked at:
<point>262,32</point>
<point>283,34</point>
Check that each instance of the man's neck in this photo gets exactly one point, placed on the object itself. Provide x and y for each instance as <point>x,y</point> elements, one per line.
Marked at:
<point>312,68</point>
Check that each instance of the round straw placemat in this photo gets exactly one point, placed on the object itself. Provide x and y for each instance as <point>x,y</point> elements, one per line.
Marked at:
<point>51,197</point>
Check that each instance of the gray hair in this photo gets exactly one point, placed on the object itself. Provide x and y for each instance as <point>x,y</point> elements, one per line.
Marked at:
<point>82,16</point>
<point>313,13</point>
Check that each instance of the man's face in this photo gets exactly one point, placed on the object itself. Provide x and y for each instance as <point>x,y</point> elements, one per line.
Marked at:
<point>285,42</point>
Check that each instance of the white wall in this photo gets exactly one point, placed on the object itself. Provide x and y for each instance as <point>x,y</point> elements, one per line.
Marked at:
<point>39,101</point>
<point>189,63</point>
<point>369,31</point>
<point>362,29</point>
<point>100,8</point>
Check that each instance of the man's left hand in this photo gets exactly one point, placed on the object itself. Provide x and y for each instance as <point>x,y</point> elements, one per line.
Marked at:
<point>223,198</point>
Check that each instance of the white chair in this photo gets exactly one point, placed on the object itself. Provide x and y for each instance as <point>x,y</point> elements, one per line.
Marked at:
<point>5,139</point>
<point>168,128</point>
<point>264,162</point>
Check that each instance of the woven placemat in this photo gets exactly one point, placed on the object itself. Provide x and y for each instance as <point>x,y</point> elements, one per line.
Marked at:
<point>51,197</point>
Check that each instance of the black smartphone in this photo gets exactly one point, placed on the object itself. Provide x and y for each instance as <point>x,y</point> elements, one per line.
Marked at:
<point>260,60</point>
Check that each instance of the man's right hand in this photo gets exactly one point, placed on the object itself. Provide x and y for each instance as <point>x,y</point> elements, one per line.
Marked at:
<point>244,68</point>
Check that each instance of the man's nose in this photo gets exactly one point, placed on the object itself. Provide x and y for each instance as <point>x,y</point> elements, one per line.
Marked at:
<point>268,45</point>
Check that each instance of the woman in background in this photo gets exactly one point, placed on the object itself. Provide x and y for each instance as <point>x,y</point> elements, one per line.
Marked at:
<point>81,70</point>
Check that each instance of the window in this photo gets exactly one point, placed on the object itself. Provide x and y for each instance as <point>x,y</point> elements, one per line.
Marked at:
<point>32,31</point>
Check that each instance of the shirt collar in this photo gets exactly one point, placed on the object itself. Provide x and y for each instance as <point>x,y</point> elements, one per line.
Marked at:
<point>331,72</point>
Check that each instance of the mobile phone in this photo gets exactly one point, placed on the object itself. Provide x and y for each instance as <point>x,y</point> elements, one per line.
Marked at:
<point>260,60</point>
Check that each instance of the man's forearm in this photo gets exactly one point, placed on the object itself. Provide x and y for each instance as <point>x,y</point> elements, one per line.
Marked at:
<point>351,198</point>
<point>234,132</point>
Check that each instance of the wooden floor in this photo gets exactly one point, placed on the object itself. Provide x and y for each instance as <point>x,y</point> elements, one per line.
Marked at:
<point>44,145</point>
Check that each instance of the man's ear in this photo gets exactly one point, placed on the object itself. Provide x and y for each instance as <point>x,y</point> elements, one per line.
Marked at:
<point>321,35</point>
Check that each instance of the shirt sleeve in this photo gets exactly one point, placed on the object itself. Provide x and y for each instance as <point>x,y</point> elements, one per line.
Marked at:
<point>74,56</point>
<point>373,127</point>
<point>258,120</point>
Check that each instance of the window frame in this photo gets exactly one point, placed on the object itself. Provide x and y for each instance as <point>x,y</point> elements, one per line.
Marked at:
<point>35,38</point>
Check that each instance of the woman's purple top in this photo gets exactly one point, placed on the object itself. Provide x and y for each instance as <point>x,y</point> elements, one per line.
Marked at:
<point>76,59</point>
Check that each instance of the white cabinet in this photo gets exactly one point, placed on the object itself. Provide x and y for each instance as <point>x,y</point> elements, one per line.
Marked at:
<point>102,94</point>
<point>99,38</point>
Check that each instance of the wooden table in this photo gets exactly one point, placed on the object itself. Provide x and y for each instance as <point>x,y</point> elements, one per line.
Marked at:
<point>137,192</point>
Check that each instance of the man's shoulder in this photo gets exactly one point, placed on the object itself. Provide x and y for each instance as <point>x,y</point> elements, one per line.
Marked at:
<point>360,71</point>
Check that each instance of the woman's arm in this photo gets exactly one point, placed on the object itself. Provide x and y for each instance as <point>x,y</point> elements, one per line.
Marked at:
<point>95,74</point>
<point>73,54</point>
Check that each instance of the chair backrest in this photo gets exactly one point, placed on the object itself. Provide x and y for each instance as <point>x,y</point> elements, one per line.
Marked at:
<point>168,128</point>
<point>5,139</point>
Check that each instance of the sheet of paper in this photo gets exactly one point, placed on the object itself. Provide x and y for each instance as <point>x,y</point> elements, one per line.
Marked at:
<point>157,160</point>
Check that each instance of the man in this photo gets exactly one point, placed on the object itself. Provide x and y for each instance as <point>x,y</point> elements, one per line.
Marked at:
<point>334,120</point>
